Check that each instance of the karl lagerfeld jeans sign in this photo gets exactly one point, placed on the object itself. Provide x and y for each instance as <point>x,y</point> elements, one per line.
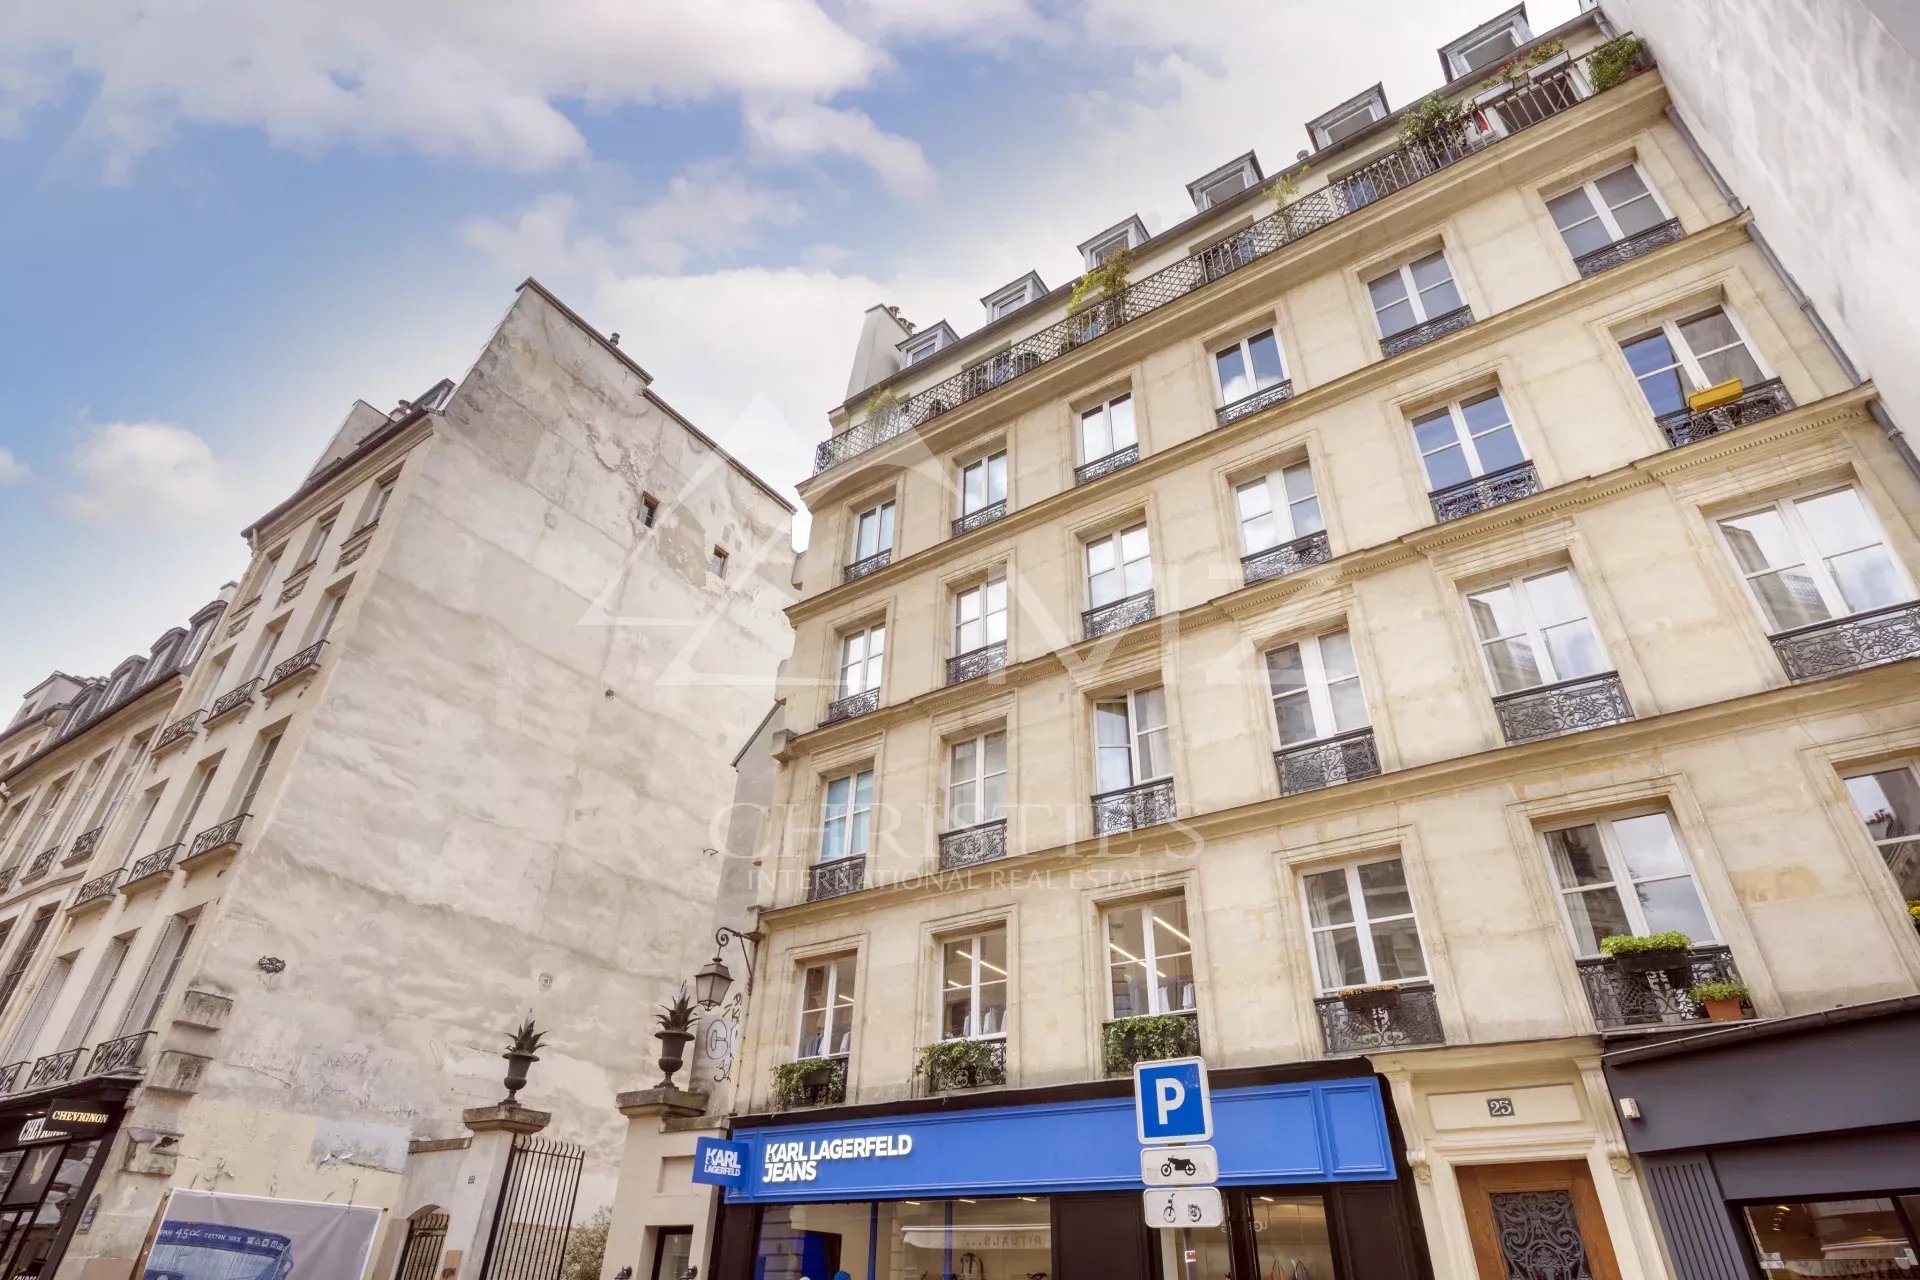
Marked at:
<point>800,1161</point>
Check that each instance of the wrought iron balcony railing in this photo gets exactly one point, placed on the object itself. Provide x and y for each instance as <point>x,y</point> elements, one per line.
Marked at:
<point>831,879</point>
<point>854,704</point>
<point>1627,999</point>
<point>1126,1041</point>
<point>1348,757</point>
<point>1265,398</point>
<point>305,660</point>
<point>1131,808</point>
<point>1396,170</point>
<point>871,564</point>
<point>98,889</point>
<point>84,845</point>
<point>1483,493</point>
<point>157,863</point>
<point>1761,401</point>
<point>179,729</point>
<point>1549,710</point>
<point>218,837</point>
<point>979,519</point>
<point>1128,611</point>
<point>974,663</point>
<point>42,861</point>
<point>1087,472</point>
<point>1840,645</point>
<point>233,699</point>
<point>10,1075</point>
<point>1628,248</point>
<point>53,1068</point>
<point>1406,1015</point>
<point>1288,557</point>
<point>984,1066</point>
<point>971,846</point>
<point>1421,334</point>
<point>118,1055</point>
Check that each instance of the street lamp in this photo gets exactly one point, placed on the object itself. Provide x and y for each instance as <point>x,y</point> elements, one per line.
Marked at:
<point>711,983</point>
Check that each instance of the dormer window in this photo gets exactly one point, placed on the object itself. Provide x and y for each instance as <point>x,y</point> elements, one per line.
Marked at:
<point>1350,117</point>
<point>924,343</point>
<point>1224,183</point>
<point>1130,234</point>
<point>1010,298</point>
<point>1487,45</point>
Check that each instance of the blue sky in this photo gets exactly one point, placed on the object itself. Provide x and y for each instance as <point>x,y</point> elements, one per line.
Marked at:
<point>222,222</point>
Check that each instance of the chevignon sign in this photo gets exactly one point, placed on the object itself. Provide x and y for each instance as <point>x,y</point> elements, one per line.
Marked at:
<point>800,1161</point>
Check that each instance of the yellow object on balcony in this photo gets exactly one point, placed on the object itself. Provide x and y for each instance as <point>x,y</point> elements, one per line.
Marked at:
<point>1718,394</point>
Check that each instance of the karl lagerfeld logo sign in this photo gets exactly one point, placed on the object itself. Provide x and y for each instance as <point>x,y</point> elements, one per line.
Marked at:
<point>800,1161</point>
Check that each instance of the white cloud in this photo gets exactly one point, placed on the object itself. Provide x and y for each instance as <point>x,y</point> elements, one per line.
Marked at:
<point>12,470</point>
<point>796,131</point>
<point>144,472</point>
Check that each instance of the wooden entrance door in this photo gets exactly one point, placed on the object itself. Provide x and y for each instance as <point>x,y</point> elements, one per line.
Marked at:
<point>1536,1222</point>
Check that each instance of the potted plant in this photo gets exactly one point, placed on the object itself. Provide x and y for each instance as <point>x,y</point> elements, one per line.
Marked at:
<point>1149,1038</point>
<point>1436,121</point>
<point>810,1082</point>
<point>1615,61</point>
<point>1670,953</point>
<point>1366,999</point>
<point>1723,1001</point>
<point>676,1029</point>
<point>1098,299</point>
<point>962,1064</point>
<point>522,1052</point>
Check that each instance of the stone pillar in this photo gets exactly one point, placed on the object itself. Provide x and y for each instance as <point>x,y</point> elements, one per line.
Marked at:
<point>476,1189</point>
<point>656,1187</point>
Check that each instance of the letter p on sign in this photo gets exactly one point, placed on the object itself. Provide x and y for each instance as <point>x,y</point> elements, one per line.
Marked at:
<point>1171,1102</point>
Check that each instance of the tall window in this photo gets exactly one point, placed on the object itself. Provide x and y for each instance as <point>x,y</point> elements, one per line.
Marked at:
<point>20,1044</point>
<point>1277,507</point>
<point>216,674</point>
<point>863,653</point>
<point>1119,565</point>
<point>983,483</point>
<point>1413,293</point>
<point>973,987</point>
<point>1806,560</point>
<point>49,802</point>
<point>977,780</point>
<point>1536,631</point>
<point>1610,207</point>
<point>872,531</point>
<point>89,783</point>
<point>264,650</point>
<point>144,815</point>
<point>23,954</point>
<point>1316,688</point>
<point>190,808</point>
<point>1360,918</point>
<point>1465,439</point>
<point>377,503</point>
<point>826,1009</point>
<point>1107,429</point>
<point>269,567</point>
<point>112,959</point>
<point>846,816</point>
<point>1250,365</point>
<point>323,618</point>
<point>1888,802</point>
<point>1625,875</point>
<point>1683,356</point>
<point>1149,958</point>
<point>122,781</point>
<point>317,541</point>
<point>980,616</point>
<point>1130,740</point>
<point>156,980</point>
<point>262,761</point>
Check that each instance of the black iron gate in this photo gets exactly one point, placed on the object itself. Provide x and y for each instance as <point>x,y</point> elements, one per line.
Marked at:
<point>420,1255</point>
<point>528,1239</point>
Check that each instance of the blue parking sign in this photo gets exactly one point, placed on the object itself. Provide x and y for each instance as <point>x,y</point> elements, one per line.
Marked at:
<point>1170,1101</point>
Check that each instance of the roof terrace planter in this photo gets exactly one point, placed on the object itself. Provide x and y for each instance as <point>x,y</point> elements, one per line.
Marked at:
<point>178,732</point>
<point>1840,645</point>
<point>872,564</point>
<point>95,892</point>
<point>1130,808</point>
<point>224,838</point>
<point>979,519</point>
<point>1627,248</point>
<point>1570,706</point>
<point>54,1068</point>
<point>83,846</point>
<point>1623,999</point>
<point>1118,460</point>
<point>234,699</point>
<point>836,878</point>
<point>1128,611</point>
<point>1245,406</point>
<point>1402,1017</point>
<point>1421,334</point>
<point>851,707</point>
<point>974,663</point>
<point>151,871</point>
<point>1484,493</point>
<point>971,846</point>
<point>303,663</point>
<point>113,1057</point>
<point>1756,403</point>
<point>1288,557</point>
<point>1311,766</point>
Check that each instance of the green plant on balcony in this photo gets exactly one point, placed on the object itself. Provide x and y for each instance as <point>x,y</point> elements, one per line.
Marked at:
<point>810,1082</point>
<point>1615,61</point>
<point>1724,1001</point>
<point>882,404</point>
<point>962,1064</point>
<point>1669,953</point>
<point>1514,70</point>
<point>1435,120</point>
<point>1635,944</point>
<point>1099,292</point>
<point>1149,1038</point>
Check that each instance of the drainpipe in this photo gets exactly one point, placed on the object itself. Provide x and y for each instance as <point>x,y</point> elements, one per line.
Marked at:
<point>1888,428</point>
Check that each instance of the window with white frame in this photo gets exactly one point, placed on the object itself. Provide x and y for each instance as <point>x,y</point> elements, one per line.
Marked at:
<point>1100,250</point>
<point>983,482</point>
<point>1807,560</point>
<point>980,616</point>
<point>973,986</point>
<point>1536,630</point>
<point>826,1009</point>
<point>1276,508</point>
<point>1606,209</point>
<point>1130,740</point>
<point>317,540</point>
<point>863,654</point>
<point>265,648</point>
<point>1479,51</point>
<point>1888,802</point>
<point>1683,356</point>
<point>919,351</point>
<point>1149,958</point>
<point>1118,566</point>
<point>872,531</point>
<point>1248,366</point>
<point>1626,875</point>
<point>1413,293</point>
<point>1361,921</point>
<point>327,614</point>
<point>1106,429</point>
<point>846,816</point>
<point>1007,304</point>
<point>1334,127</point>
<point>1315,684</point>
<point>377,501</point>
<point>1465,439</point>
<point>977,780</point>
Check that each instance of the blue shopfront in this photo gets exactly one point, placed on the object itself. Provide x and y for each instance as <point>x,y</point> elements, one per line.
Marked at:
<point>1051,1190</point>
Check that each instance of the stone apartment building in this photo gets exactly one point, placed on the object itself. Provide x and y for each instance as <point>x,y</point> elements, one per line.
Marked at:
<point>453,754</point>
<point>1304,654</point>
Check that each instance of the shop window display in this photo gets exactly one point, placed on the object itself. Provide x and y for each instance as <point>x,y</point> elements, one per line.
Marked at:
<point>1870,1238</point>
<point>999,1239</point>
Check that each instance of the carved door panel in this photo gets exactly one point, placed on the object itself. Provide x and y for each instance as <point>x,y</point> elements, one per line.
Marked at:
<point>1536,1222</point>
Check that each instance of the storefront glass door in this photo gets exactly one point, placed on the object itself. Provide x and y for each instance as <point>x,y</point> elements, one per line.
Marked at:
<point>999,1239</point>
<point>1871,1238</point>
<point>1274,1234</point>
<point>41,1185</point>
